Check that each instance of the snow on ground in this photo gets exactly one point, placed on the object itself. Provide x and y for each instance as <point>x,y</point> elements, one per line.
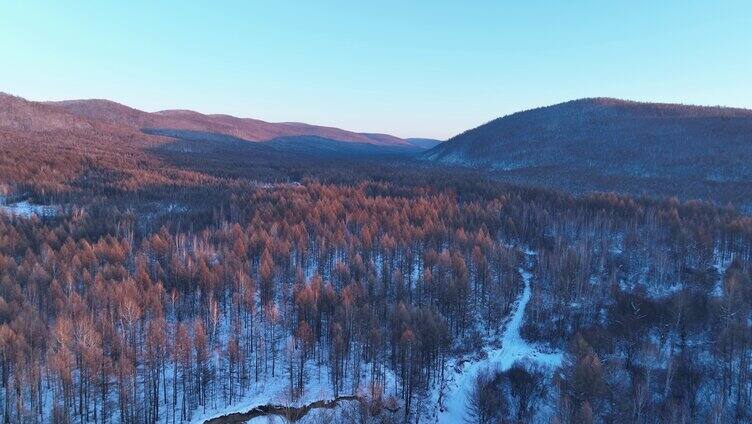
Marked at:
<point>315,416</point>
<point>513,348</point>
<point>271,390</point>
<point>450,399</point>
<point>276,391</point>
<point>25,209</point>
<point>721,264</point>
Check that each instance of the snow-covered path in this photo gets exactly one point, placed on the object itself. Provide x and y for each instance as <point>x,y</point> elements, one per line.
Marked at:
<point>513,348</point>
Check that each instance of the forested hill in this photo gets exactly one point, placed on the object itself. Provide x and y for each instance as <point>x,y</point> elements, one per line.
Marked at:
<point>611,144</point>
<point>242,128</point>
<point>87,146</point>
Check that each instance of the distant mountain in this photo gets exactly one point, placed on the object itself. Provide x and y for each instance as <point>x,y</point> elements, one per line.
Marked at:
<point>243,128</point>
<point>20,114</point>
<point>611,144</point>
<point>423,143</point>
<point>50,147</point>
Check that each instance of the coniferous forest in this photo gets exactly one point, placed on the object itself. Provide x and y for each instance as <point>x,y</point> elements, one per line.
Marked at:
<point>414,294</point>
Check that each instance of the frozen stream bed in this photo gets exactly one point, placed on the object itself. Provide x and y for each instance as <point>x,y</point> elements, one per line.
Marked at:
<point>513,348</point>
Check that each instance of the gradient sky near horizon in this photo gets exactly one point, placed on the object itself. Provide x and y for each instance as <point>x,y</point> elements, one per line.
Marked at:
<point>413,69</point>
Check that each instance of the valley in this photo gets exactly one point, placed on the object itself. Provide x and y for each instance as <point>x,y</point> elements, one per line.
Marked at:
<point>190,276</point>
<point>376,212</point>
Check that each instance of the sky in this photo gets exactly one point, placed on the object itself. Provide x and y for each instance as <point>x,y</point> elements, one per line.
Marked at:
<point>408,68</point>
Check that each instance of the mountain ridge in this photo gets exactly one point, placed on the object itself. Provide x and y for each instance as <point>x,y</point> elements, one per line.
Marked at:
<point>249,129</point>
<point>616,102</point>
<point>53,147</point>
<point>602,143</point>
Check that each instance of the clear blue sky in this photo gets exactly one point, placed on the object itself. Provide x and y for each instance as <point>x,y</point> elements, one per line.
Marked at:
<point>424,69</point>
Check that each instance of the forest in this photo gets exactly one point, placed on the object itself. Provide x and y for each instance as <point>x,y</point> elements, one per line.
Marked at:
<point>178,302</point>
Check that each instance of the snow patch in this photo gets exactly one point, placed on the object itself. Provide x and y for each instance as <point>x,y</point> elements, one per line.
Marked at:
<point>24,209</point>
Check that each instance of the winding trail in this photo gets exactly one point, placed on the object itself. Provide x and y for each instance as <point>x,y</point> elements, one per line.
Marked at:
<point>513,348</point>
